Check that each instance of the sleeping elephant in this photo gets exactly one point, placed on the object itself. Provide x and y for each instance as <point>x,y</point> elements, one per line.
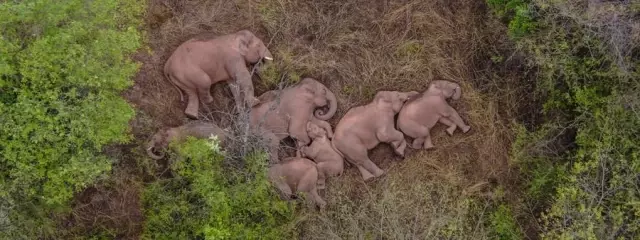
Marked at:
<point>295,174</point>
<point>286,112</point>
<point>198,129</point>
<point>198,63</point>
<point>363,128</point>
<point>420,114</point>
<point>330,161</point>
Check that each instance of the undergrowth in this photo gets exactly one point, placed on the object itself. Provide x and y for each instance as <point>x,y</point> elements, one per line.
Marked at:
<point>208,198</point>
<point>63,65</point>
<point>581,166</point>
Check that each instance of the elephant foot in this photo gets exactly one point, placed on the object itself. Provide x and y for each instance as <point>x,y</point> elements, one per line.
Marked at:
<point>321,204</point>
<point>450,130</point>
<point>191,113</point>
<point>465,129</point>
<point>428,146</point>
<point>366,175</point>
<point>400,150</point>
<point>253,101</point>
<point>417,144</point>
<point>207,99</point>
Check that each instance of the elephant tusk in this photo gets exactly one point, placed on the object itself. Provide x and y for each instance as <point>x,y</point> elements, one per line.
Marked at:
<point>268,58</point>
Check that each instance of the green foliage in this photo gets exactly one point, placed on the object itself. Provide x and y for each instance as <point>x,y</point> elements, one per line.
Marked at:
<point>504,224</point>
<point>538,165</point>
<point>588,78</point>
<point>519,15</point>
<point>210,199</point>
<point>62,67</point>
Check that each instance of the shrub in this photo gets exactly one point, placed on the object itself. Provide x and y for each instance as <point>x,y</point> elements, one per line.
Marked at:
<point>504,225</point>
<point>62,66</point>
<point>210,199</point>
<point>587,74</point>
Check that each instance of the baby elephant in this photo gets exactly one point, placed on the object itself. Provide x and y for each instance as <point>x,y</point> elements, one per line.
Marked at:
<point>295,174</point>
<point>197,129</point>
<point>330,162</point>
<point>421,113</point>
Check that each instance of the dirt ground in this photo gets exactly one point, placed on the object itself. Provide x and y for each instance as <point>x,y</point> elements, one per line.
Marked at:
<point>356,48</point>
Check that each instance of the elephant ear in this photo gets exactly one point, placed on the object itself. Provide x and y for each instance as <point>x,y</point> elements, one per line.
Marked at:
<point>383,97</point>
<point>243,44</point>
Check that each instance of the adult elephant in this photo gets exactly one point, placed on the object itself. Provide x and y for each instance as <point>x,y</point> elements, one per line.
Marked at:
<point>420,114</point>
<point>364,127</point>
<point>198,63</point>
<point>286,112</point>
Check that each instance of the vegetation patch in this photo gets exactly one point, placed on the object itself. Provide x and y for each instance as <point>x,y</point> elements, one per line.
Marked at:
<point>63,65</point>
<point>207,198</point>
<point>580,167</point>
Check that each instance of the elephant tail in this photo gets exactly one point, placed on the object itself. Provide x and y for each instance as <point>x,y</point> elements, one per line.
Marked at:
<point>339,153</point>
<point>172,81</point>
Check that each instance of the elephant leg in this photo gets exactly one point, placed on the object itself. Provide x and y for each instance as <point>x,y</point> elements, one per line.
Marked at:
<point>366,175</point>
<point>370,168</point>
<point>274,143</point>
<point>427,142</point>
<point>455,117</point>
<point>235,91</point>
<point>308,185</point>
<point>202,83</point>
<point>451,125</point>
<point>193,103</point>
<point>284,189</point>
<point>395,138</point>
<point>205,95</point>
<point>322,176</point>
<point>242,79</point>
<point>321,203</point>
<point>418,143</point>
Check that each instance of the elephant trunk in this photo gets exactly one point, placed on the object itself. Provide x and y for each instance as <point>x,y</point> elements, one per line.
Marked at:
<point>152,154</point>
<point>333,107</point>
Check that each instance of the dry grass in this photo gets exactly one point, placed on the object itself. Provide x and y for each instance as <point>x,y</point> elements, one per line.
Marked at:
<point>356,48</point>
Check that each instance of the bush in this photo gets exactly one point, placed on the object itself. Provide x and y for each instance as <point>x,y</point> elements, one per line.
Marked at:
<point>588,75</point>
<point>504,225</point>
<point>62,67</point>
<point>210,199</point>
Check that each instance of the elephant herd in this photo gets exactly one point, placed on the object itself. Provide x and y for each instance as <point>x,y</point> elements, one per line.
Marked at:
<point>299,112</point>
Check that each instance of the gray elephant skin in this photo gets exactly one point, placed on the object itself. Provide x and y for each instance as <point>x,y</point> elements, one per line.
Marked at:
<point>330,161</point>
<point>198,129</point>
<point>295,174</point>
<point>420,114</point>
<point>364,127</point>
<point>198,63</point>
<point>283,113</point>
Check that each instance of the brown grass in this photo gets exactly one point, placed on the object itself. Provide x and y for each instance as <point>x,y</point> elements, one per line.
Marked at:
<point>356,48</point>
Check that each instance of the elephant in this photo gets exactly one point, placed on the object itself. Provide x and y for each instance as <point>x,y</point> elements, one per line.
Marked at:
<point>296,174</point>
<point>362,128</point>
<point>198,129</point>
<point>330,161</point>
<point>286,112</point>
<point>199,63</point>
<point>420,114</point>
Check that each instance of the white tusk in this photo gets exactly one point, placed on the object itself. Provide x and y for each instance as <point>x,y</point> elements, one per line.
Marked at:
<point>268,58</point>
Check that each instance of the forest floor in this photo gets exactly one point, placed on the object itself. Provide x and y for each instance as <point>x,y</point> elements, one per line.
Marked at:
<point>356,48</point>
